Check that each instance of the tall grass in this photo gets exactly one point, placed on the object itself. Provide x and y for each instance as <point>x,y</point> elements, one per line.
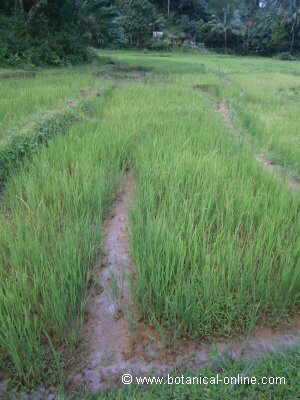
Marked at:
<point>265,94</point>
<point>216,240</point>
<point>25,101</point>
<point>268,111</point>
<point>50,234</point>
<point>283,364</point>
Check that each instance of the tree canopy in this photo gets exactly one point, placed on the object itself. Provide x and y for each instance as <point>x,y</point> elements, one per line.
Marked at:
<point>59,31</point>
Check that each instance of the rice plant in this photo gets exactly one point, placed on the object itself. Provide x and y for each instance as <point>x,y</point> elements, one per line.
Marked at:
<point>215,239</point>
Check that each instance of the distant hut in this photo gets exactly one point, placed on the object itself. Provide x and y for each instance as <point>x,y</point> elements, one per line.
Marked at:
<point>157,34</point>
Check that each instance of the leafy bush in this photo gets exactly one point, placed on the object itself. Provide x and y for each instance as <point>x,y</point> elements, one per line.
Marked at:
<point>285,56</point>
<point>44,41</point>
<point>140,18</point>
<point>18,45</point>
<point>159,44</point>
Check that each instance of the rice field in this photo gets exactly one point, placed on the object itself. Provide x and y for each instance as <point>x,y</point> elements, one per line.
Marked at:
<point>25,99</point>
<point>214,237</point>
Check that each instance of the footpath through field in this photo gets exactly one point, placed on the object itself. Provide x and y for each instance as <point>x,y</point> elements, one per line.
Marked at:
<point>213,238</point>
<point>208,230</point>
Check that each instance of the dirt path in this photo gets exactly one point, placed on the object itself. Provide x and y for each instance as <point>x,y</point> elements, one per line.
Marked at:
<point>117,343</point>
<point>209,90</point>
<point>110,339</point>
<point>106,331</point>
<point>264,161</point>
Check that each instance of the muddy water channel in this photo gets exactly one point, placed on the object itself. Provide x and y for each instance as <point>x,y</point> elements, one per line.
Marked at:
<point>117,343</point>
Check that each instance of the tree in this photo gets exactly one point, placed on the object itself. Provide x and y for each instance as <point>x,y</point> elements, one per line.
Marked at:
<point>98,18</point>
<point>292,18</point>
<point>225,18</point>
<point>140,18</point>
<point>53,31</point>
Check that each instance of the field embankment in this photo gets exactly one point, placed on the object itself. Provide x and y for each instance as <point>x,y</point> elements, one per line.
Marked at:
<point>214,237</point>
<point>51,217</point>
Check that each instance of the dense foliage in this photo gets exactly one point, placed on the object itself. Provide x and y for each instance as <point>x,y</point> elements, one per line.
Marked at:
<point>53,32</point>
<point>59,31</point>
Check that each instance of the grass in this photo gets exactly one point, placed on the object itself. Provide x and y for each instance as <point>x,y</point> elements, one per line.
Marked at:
<point>203,202</point>
<point>50,235</point>
<point>272,105</point>
<point>263,93</point>
<point>26,101</point>
<point>215,239</point>
<point>23,144</point>
<point>282,365</point>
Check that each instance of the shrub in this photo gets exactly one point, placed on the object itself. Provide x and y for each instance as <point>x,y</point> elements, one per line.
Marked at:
<point>285,56</point>
<point>22,45</point>
<point>159,44</point>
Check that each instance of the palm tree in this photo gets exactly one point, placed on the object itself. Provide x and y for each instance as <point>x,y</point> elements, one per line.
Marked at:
<point>34,9</point>
<point>293,17</point>
<point>97,16</point>
<point>226,19</point>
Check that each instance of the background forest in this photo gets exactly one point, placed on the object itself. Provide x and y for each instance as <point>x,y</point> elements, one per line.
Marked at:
<point>61,32</point>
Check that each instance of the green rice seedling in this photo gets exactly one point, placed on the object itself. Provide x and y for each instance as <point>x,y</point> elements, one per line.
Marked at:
<point>20,146</point>
<point>25,101</point>
<point>50,236</point>
<point>215,238</point>
<point>281,369</point>
<point>264,92</point>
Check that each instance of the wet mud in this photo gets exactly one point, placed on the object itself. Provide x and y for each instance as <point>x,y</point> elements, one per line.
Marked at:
<point>117,342</point>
